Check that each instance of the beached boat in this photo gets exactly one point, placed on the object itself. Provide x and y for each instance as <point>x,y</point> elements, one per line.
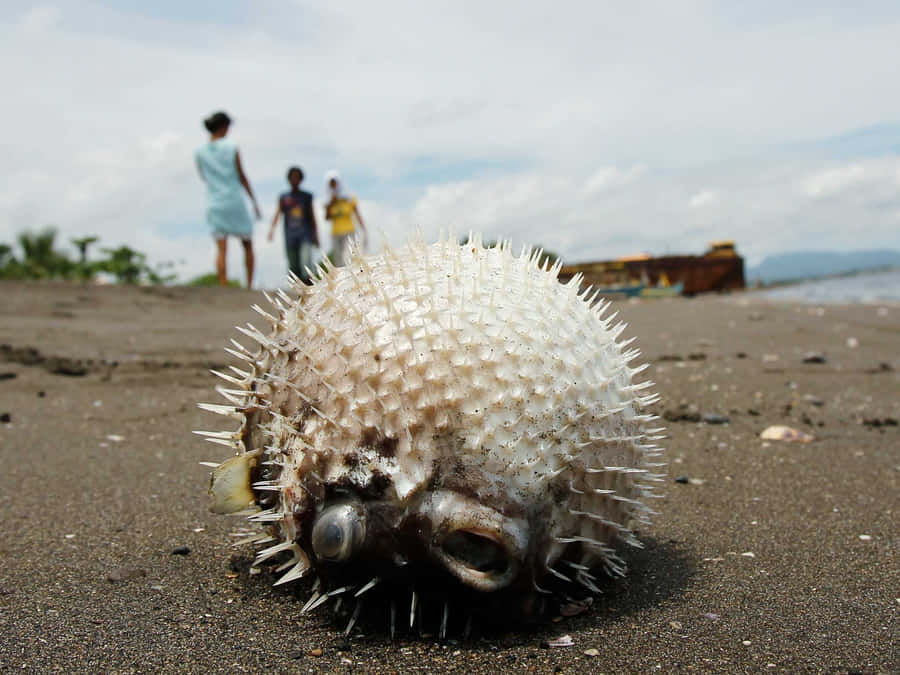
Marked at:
<point>666,291</point>
<point>719,269</point>
<point>625,291</point>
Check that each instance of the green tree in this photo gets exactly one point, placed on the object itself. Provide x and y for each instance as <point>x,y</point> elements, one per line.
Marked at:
<point>84,269</point>
<point>39,259</point>
<point>10,268</point>
<point>129,266</point>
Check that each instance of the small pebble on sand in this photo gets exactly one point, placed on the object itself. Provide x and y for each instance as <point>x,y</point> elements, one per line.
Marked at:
<point>780,432</point>
<point>715,418</point>
<point>865,537</point>
<point>125,574</point>
<point>561,641</point>
<point>181,550</point>
<point>592,652</point>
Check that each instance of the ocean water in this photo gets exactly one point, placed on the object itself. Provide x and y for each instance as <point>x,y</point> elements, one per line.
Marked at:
<point>869,288</point>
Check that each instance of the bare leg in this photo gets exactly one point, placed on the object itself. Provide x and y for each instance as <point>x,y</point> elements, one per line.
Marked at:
<point>248,260</point>
<point>221,247</point>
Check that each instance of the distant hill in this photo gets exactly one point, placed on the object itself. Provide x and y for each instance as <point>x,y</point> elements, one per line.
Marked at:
<point>806,264</point>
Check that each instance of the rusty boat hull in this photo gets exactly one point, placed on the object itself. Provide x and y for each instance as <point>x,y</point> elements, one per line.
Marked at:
<point>719,269</point>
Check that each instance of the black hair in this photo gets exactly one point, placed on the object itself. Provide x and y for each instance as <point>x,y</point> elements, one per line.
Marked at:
<point>216,122</point>
<point>292,170</point>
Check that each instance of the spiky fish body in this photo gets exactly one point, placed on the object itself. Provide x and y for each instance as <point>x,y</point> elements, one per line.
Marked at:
<point>447,406</point>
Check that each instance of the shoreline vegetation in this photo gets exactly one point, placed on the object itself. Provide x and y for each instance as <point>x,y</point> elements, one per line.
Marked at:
<point>38,258</point>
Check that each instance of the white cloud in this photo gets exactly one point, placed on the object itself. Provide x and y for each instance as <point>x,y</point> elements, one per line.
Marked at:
<point>704,198</point>
<point>834,180</point>
<point>610,177</point>
<point>39,19</point>
<point>621,128</point>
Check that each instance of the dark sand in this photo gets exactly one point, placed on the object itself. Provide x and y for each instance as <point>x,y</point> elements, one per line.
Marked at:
<point>761,567</point>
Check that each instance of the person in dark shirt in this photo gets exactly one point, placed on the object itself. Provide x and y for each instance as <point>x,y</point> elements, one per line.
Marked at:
<point>300,229</point>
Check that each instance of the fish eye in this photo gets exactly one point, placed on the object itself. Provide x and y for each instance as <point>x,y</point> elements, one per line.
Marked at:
<point>338,532</point>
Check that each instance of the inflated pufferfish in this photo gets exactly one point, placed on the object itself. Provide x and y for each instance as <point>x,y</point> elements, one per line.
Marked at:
<point>443,409</point>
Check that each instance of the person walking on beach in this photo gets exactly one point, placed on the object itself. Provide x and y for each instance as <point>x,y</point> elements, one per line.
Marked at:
<point>342,210</point>
<point>219,164</point>
<point>300,229</point>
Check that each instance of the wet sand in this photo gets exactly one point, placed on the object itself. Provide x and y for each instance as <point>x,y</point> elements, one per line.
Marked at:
<point>775,557</point>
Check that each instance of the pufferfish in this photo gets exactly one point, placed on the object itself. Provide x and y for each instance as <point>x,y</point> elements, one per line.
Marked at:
<point>439,412</point>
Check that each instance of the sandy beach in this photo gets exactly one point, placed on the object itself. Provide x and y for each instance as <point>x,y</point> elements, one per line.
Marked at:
<point>765,556</point>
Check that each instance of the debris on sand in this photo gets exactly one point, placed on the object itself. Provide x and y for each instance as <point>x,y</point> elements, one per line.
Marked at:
<point>715,418</point>
<point>125,574</point>
<point>562,641</point>
<point>684,413</point>
<point>877,422</point>
<point>780,432</point>
<point>29,356</point>
<point>576,607</point>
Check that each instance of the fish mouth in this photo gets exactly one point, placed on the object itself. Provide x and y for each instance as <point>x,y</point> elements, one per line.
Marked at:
<point>479,559</point>
<point>480,546</point>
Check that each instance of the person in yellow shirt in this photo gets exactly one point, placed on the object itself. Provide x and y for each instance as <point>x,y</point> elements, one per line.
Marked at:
<point>341,209</point>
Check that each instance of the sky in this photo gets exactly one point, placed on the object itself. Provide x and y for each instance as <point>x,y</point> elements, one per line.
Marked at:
<point>595,129</point>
